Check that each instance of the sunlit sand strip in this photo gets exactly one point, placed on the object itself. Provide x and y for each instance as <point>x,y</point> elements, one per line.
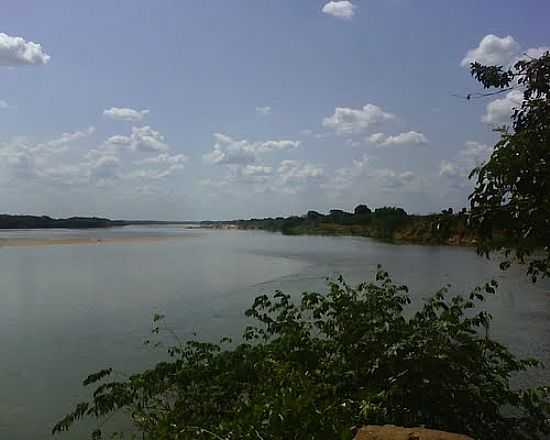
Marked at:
<point>16,242</point>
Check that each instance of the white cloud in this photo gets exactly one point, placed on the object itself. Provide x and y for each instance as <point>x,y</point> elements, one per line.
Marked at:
<point>406,138</point>
<point>67,174</point>
<point>142,139</point>
<point>20,163</point>
<point>251,174</point>
<point>3,105</point>
<point>493,50</point>
<point>344,178</point>
<point>389,179</point>
<point>256,170</point>
<point>125,114</point>
<point>105,168</point>
<point>264,111</point>
<point>15,51</point>
<point>376,138</point>
<point>347,121</point>
<point>60,144</point>
<point>298,171</point>
<point>154,174</point>
<point>229,151</point>
<point>147,140</point>
<point>164,158</point>
<point>277,145</point>
<point>293,176</point>
<point>475,152</point>
<point>500,110</point>
<point>119,140</point>
<point>361,175</point>
<point>30,161</point>
<point>343,9</point>
<point>449,169</point>
<point>43,164</point>
<point>470,156</point>
<point>537,52</point>
<point>161,166</point>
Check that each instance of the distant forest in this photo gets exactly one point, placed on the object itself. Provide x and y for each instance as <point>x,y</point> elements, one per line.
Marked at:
<point>44,222</point>
<point>387,223</point>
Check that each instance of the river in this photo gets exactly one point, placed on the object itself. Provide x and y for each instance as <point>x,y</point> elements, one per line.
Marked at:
<point>85,301</point>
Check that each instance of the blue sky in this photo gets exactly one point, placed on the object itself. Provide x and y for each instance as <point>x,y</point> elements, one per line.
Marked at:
<point>226,109</point>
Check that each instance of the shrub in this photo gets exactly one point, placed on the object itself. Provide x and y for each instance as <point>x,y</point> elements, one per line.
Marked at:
<point>324,366</point>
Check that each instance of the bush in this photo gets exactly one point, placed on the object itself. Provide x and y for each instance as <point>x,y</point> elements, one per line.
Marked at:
<point>322,367</point>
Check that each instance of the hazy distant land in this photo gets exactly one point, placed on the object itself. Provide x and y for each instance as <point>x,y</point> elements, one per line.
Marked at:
<point>387,223</point>
<point>45,222</point>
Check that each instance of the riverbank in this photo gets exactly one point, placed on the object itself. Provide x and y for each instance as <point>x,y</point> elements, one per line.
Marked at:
<point>88,240</point>
<point>388,224</point>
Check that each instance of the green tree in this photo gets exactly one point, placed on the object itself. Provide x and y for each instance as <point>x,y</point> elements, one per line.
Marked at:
<point>321,367</point>
<point>510,204</point>
<point>362,210</point>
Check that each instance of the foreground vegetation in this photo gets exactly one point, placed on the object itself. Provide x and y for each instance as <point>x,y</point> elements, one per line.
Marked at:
<point>386,223</point>
<point>512,190</point>
<point>322,367</point>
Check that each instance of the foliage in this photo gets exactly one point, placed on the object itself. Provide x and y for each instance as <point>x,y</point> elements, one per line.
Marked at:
<point>362,210</point>
<point>511,200</point>
<point>319,368</point>
<point>387,223</point>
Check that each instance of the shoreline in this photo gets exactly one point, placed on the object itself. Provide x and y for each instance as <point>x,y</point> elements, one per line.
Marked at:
<point>31,242</point>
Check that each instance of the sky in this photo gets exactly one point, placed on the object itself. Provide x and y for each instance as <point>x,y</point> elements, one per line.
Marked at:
<point>191,110</point>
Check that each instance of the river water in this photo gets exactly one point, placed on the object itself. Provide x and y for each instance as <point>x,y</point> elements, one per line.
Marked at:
<point>67,310</point>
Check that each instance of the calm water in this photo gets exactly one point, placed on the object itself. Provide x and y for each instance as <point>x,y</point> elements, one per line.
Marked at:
<point>66,311</point>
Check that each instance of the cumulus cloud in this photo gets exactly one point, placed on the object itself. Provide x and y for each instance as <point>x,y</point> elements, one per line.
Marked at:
<point>60,144</point>
<point>376,138</point>
<point>256,170</point>
<point>3,105</point>
<point>164,158</point>
<point>343,9</point>
<point>154,174</point>
<point>142,139</point>
<point>105,168</point>
<point>456,171</point>
<point>264,111</point>
<point>145,139</point>
<point>449,169</point>
<point>493,50</point>
<point>160,166</point>
<point>475,152</point>
<point>500,110</point>
<point>389,179</point>
<point>296,171</point>
<point>343,178</point>
<point>406,138</point>
<point>251,174</point>
<point>536,52</point>
<point>362,174</point>
<point>20,163</point>
<point>125,114</point>
<point>45,164</point>
<point>347,121</point>
<point>15,51</point>
<point>28,160</point>
<point>229,151</point>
